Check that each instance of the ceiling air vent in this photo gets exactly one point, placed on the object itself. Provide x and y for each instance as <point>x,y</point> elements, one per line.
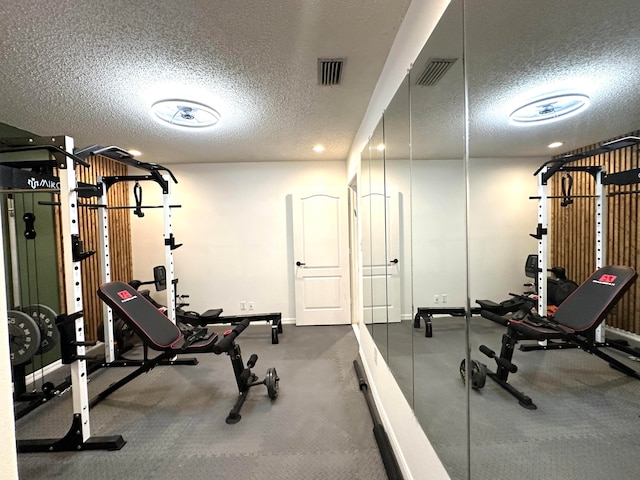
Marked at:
<point>330,71</point>
<point>434,71</point>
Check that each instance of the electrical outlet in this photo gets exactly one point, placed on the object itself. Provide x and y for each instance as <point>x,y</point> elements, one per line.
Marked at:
<point>250,305</point>
<point>243,305</point>
<point>444,298</point>
<point>436,299</point>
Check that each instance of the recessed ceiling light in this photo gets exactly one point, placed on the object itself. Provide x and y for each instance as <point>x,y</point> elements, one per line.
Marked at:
<point>185,113</point>
<point>135,153</point>
<point>550,108</point>
<point>318,148</point>
<point>555,144</point>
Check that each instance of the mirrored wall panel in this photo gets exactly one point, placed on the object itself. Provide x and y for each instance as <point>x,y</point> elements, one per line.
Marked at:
<point>503,178</point>
<point>438,198</point>
<point>397,209</point>
<point>374,267</point>
<point>551,87</point>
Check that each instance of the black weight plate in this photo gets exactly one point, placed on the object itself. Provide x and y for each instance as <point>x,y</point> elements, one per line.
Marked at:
<point>45,317</point>
<point>24,337</point>
<point>478,373</point>
<point>271,380</point>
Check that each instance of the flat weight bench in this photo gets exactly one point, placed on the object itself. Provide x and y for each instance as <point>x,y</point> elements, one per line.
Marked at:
<point>518,303</point>
<point>427,313</point>
<point>214,315</point>
<point>159,333</point>
<point>574,322</point>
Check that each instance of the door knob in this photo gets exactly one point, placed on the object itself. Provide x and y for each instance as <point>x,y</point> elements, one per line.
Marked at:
<point>300,264</point>
<point>395,260</point>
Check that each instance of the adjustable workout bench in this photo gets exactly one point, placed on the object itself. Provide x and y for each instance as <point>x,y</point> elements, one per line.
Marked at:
<point>574,322</point>
<point>159,333</point>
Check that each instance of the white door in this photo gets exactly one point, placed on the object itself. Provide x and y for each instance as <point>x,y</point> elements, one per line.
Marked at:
<point>321,255</point>
<point>380,255</point>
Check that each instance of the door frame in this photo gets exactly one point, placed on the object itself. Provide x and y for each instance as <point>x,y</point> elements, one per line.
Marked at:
<point>355,251</point>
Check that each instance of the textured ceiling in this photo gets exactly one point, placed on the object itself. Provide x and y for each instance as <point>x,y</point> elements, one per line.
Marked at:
<point>520,49</point>
<point>91,69</point>
<point>591,46</point>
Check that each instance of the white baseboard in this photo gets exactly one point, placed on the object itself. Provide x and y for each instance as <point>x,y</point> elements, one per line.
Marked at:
<point>31,378</point>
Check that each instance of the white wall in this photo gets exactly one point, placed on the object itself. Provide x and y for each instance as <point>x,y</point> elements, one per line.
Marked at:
<point>438,199</point>
<point>501,219</point>
<point>235,227</point>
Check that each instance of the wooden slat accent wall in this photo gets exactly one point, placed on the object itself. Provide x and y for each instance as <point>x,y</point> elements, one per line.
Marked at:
<point>572,228</point>
<point>119,240</point>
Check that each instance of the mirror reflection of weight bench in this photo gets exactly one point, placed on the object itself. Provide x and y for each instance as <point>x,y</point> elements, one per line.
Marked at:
<point>427,313</point>
<point>507,306</point>
<point>574,322</point>
<point>521,304</point>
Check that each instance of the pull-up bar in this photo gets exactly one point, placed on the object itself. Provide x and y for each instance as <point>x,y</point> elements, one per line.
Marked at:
<point>10,145</point>
<point>557,164</point>
<point>123,156</point>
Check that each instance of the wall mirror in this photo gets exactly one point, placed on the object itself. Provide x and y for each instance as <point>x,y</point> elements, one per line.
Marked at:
<point>438,240</point>
<point>473,218</point>
<point>528,55</point>
<point>397,206</point>
<point>374,239</point>
<point>365,220</point>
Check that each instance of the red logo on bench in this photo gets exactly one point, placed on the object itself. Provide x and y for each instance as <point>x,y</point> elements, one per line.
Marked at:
<point>124,294</point>
<point>608,278</point>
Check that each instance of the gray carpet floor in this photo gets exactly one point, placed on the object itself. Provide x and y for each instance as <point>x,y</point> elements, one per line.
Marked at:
<point>173,418</point>
<point>586,425</point>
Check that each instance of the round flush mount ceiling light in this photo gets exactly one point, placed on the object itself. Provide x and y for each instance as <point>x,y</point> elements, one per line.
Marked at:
<point>550,109</point>
<point>185,113</point>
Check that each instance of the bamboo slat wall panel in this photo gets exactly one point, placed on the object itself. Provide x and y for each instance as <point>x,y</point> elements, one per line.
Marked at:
<point>119,237</point>
<point>573,230</point>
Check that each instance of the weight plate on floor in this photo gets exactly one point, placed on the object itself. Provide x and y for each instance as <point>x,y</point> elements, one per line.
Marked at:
<point>24,337</point>
<point>271,380</point>
<point>45,317</point>
<point>478,373</point>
